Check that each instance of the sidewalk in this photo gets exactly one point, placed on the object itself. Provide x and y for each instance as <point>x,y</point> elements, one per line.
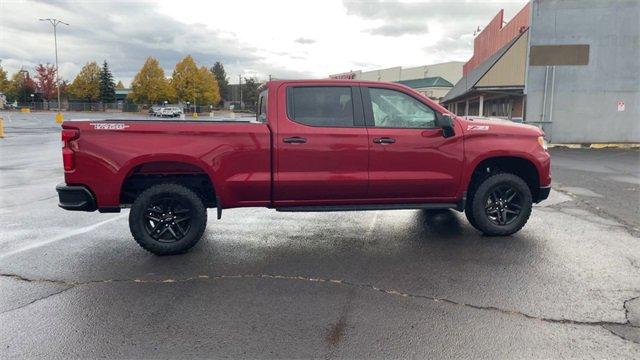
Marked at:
<point>596,146</point>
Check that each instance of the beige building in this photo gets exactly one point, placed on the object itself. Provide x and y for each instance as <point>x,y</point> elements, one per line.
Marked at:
<point>433,81</point>
<point>494,87</point>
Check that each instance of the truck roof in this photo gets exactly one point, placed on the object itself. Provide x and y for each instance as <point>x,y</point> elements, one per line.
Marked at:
<point>332,81</point>
<point>354,82</point>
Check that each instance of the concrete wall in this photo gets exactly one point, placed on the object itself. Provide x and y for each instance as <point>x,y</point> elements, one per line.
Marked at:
<point>583,108</point>
<point>450,71</point>
<point>435,93</point>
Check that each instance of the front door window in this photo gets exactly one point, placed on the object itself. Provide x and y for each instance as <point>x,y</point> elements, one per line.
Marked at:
<point>393,109</point>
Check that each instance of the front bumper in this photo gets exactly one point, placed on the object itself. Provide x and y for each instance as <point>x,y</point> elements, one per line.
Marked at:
<point>76,198</point>
<point>543,193</point>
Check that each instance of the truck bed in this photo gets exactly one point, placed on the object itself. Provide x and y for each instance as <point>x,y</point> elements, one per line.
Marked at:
<point>234,155</point>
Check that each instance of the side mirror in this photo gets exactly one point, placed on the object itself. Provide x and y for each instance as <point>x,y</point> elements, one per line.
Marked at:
<point>445,122</point>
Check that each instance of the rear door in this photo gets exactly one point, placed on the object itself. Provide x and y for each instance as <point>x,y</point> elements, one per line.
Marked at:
<point>321,145</point>
<point>410,160</point>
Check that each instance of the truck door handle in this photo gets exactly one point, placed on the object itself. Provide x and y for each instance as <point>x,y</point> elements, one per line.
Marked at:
<point>384,140</point>
<point>295,140</point>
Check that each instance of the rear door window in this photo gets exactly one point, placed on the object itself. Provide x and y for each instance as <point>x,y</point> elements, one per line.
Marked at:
<point>329,106</point>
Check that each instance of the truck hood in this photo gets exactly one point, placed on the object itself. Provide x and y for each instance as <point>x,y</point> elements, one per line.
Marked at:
<point>498,126</point>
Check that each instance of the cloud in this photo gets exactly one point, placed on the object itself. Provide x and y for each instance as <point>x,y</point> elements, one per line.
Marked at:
<point>399,29</point>
<point>123,33</point>
<point>398,18</point>
<point>304,41</point>
<point>361,35</point>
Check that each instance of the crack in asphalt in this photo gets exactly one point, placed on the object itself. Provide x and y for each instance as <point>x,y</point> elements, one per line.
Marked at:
<point>630,228</point>
<point>70,285</point>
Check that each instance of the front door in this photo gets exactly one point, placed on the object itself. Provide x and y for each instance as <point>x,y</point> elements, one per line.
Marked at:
<point>321,146</point>
<point>410,160</point>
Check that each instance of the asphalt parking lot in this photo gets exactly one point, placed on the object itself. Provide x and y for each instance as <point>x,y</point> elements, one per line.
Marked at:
<point>264,284</point>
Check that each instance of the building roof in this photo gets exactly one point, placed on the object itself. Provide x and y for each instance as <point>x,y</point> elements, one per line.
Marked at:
<point>122,91</point>
<point>435,81</point>
<point>467,82</point>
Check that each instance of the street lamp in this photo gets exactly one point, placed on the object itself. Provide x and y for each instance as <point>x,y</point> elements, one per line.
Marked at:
<point>55,23</point>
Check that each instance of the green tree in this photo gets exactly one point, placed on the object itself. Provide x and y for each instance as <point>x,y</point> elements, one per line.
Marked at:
<point>4,81</point>
<point>223,82</point>
<point>20,87</point>
<point>150,86</point>
<point>119,85</point>
<point>86,85</point>
<point>107,86</point>
<point>250,92</point>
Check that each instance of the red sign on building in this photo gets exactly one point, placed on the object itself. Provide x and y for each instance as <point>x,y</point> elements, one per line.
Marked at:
<point>344,76</point>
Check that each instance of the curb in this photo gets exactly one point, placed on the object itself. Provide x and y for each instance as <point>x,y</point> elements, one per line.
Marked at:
<point>595,146</point>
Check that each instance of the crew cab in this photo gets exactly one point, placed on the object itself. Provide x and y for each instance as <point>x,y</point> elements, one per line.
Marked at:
<point>314,145</point>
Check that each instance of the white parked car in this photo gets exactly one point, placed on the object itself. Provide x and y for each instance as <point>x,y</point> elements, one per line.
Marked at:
<point>170,111</point>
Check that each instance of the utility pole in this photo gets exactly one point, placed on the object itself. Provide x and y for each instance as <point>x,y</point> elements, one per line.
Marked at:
<point>240,86</point>
<point>55,23</point>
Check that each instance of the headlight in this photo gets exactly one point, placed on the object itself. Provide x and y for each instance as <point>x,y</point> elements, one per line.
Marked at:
<point>542,142</point>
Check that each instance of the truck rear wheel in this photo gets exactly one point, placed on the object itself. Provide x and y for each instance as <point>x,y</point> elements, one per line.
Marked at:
<point>500,205</point>
<point>167,219</point>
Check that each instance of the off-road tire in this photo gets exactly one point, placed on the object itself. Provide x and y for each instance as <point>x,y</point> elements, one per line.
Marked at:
<point>184,198</point>
<point>477,203</point>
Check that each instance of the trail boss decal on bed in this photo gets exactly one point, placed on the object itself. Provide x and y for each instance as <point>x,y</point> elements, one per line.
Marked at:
<point>478,127</point>
<point>108,126</point>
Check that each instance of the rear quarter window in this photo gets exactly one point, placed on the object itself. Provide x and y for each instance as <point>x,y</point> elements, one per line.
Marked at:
<point>329,106</point>
<point>261,114</point>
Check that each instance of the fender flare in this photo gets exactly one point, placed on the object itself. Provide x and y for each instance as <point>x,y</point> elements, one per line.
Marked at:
<point>128,167</point>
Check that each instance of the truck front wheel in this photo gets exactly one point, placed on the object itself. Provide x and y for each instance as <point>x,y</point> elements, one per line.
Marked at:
<point>500,205</point>
<point>167,219</point>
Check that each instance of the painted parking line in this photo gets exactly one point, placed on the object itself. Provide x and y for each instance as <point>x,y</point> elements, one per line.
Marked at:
<point>64,236</point>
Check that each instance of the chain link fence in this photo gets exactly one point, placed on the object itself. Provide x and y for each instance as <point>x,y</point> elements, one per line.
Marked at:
<point>119,106</point>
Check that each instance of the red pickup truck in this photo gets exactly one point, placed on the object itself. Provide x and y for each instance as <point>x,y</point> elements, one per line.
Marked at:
<point>314,145</point>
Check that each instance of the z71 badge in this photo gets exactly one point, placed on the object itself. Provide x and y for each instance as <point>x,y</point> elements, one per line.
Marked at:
<point>478,127</point>
<point>109,126</point>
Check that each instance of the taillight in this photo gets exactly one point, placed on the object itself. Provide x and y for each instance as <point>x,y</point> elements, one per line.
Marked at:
<point>68,159</point>
<point>68,155</point>
<point>69,134</point>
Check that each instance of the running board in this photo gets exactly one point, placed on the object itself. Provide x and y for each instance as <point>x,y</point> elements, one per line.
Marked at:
<point>435,206</point>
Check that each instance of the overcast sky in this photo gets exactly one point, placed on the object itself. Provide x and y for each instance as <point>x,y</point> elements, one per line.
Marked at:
<point>287,39</point>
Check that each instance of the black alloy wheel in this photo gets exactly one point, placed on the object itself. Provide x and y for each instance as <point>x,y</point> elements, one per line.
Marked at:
<point>500,204</point>
<point>503,205</point>
<point>167,219</point>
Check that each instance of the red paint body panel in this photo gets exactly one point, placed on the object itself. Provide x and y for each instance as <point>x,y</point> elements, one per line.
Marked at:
<point>331,165</point>
<point>250,165</point>
<point>236,156</point>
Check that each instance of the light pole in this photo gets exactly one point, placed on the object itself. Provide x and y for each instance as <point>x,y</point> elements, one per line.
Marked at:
<point>240,86</point>
<point>55,23</point>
